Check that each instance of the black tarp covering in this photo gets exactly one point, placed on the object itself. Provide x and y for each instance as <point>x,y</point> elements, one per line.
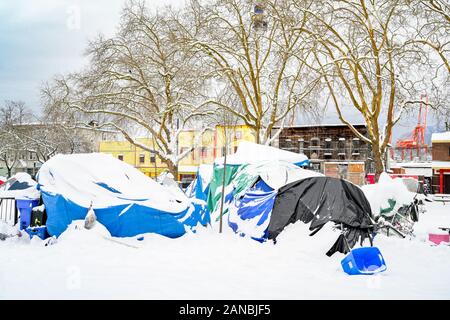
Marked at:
<point>319,200</point>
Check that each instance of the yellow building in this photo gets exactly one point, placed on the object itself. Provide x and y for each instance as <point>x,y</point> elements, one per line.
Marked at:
<point>211,146</point>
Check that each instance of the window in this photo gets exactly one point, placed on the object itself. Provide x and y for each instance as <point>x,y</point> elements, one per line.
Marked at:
<point>152,158</point>
<point>356,144</point>
<point>142,158</point>
<point>315,142</point>
<point>301,145</point>
<point>204,152</point>
<point>341,144</point>
<point>32,156</point>
<point>120,157</point>
<point>328,143</point>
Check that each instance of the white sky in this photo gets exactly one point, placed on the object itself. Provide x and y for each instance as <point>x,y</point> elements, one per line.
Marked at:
<point>41,38</point>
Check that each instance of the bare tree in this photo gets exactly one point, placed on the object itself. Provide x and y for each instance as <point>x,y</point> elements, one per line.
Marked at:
<point>359,47</point>
<point>254,50</point>
<point>434,27</point>
<point>142,81</point>
<point>11,141</point>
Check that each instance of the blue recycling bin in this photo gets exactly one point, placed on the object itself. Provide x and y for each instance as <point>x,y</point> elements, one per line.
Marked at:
<point>364,261</point>
<point>25,206</point>
<point>41,232</point>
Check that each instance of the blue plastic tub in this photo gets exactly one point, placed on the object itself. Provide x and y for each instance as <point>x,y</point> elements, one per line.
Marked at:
<point>366,261</point>
<point>25,207</point>
<point>41,232</point>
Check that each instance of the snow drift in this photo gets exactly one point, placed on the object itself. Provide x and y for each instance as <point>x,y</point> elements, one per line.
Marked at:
<point>381,194</point>
<point>124,200</point>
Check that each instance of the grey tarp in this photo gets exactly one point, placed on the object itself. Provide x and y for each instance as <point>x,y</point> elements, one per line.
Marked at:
<point>319,200</point>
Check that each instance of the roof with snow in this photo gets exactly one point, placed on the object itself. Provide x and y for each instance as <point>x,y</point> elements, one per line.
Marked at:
<point>441,164</point>
<point>313,125</point>
<point>440,137</point>
<point>250,153</point>
<point>19,186</point>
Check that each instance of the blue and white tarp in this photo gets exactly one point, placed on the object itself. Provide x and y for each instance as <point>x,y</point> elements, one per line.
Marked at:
<point>125,201</point>
<point>255,189</point>
<point>250,214</point>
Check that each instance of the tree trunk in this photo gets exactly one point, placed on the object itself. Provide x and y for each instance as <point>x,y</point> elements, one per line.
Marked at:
<point>173,169</point>
<point>378,158</point>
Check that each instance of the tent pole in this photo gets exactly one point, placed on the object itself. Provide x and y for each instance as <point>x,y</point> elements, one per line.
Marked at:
<point>222,198</point>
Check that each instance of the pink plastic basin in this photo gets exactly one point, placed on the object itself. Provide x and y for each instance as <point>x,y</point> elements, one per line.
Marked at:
<point>438,238</point>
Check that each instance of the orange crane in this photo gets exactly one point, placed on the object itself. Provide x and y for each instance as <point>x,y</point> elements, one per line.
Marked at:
<point>416,142</point>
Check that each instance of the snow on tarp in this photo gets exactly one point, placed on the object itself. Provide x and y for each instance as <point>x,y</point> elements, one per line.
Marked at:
<point>387,194</point>
<point>275,174</point>
<point>20,186</point>
<point>255,189</point>
<point>319,200</point>
<point>199,188</point>
<point>124,200</point>
<point>250,153</point>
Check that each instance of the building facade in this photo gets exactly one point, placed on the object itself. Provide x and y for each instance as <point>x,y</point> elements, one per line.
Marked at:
<point>441,162</point>
<point>332,149</point>
<point>213,144</point>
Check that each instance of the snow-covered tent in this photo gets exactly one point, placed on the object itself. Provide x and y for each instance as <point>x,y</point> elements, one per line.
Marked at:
<point>248,153</point>
<point>20,186</point>
<point>254,190</point>
<point>124,200</point>
<point>262,212</point>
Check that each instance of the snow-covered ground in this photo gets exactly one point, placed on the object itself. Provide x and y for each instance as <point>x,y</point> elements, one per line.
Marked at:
<point>207,265</point>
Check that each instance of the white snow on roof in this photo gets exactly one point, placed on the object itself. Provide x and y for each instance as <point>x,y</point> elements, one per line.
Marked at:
<point>314,125</point>
<point>277,174</point>
<point>29,192</point>
<point>187,169</point>
<point>441,164</point>
<point>440,137</point>
<point>249,153</point>
<point>413,164</point>
<point>105,181</point>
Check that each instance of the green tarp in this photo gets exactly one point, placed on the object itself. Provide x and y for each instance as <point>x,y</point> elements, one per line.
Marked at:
<point>215,187</point>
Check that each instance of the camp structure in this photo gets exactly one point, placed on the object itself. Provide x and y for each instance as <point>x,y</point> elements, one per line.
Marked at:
<point>263,210</point>
<point>248,153</point>
<point>20,186</point>
<point>254,190</point>
<point>124,200</point>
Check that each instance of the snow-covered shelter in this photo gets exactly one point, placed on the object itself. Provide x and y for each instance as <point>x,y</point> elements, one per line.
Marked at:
<point>125,201</point>
<point>271,196</point>
<point>248,153</point>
